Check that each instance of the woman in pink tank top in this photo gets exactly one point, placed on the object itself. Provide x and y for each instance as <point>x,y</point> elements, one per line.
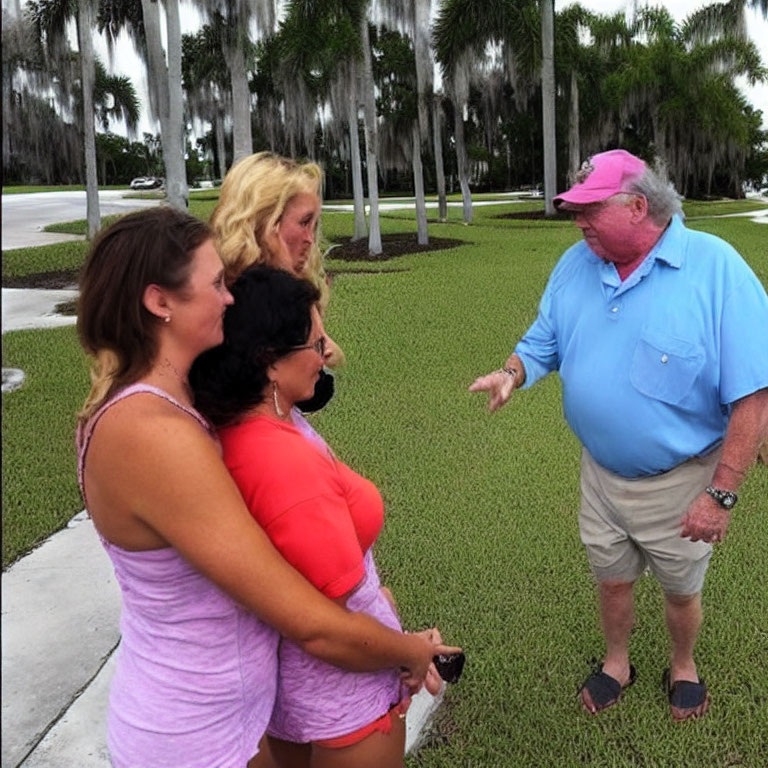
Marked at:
<point>204,591</point>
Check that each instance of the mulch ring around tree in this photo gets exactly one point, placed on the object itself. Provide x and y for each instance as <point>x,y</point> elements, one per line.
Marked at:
<point>393,245</point>
<point>537,215</point>
<point>397,244</point>
<point>57,279</point>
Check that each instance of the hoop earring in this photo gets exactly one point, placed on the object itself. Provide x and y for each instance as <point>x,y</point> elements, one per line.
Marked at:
<point>278,410</point>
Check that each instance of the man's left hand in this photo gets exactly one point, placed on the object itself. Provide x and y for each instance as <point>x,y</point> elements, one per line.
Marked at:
<point>705,520</point>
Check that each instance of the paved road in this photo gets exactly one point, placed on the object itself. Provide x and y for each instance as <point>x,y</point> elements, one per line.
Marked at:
<point>24,216</point>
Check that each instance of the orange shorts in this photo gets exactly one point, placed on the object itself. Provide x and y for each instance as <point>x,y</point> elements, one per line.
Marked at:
<point>382,724</point>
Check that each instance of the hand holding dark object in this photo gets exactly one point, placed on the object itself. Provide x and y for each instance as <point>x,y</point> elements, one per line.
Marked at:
<point>450,666</point>
<point>433,681</point>
<point>324,388</point>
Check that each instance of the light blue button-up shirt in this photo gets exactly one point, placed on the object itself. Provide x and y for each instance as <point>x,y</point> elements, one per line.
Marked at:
<point>650,365</point>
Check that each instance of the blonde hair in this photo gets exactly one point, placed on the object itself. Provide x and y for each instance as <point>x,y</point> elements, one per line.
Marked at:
<point>253,198</point>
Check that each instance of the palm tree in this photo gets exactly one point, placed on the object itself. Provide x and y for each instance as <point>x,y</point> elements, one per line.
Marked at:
<point>462,30</point>
<point>35,101</point>
<point>571,62</point>
<point>206,81</point>
<point>413,17</point>
<point>344,24</point>
<point>141,19</point>
<point>50,18</point>
<point>238,52</point>
<point>669,90</point>
<point>548,103</point>
<point>115,98</point>
<point>331,72</point>
<point>371,137</point>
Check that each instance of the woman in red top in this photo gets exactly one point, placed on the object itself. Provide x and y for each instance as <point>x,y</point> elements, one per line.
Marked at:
<point>322,516</point>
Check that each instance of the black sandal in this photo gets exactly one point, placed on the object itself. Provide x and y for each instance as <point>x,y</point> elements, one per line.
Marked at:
<point>685,697</point>
<point>604,690</point>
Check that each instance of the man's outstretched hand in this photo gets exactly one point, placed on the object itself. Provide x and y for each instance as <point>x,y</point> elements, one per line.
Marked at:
<point>499,386</point>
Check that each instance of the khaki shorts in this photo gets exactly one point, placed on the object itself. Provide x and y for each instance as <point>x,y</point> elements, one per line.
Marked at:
<point>628,524</point>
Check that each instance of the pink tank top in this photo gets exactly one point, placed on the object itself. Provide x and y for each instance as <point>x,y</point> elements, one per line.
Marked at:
<point>196,673</point>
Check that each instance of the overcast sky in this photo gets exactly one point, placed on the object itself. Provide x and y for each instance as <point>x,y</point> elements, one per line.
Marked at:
<point>127,63</point>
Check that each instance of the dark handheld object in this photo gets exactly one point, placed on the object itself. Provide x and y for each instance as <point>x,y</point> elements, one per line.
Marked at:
<point>323,393</point>
<point>450,666</point>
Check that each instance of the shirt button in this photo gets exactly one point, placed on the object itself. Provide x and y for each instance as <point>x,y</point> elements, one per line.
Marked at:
<point>664,358</point>
<point>614,309</point>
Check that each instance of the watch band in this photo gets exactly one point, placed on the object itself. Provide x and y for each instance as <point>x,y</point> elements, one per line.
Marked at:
<point>513,372</point>
<point>726,499</point>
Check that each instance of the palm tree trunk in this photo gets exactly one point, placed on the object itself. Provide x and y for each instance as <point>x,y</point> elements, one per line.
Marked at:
<point>574,150</point>
<point>418,186</point>
<point>7,118</point>
<point>548,104</point>
<point>371,140</point>
<point>220,147</point>
<point>421,12</point>
<point>85,46</point>
<point>361,228</point>
<point>160,88</point>
<point>461,162</point>
<point>242,139</point>
<point>437,142</point>
<point>177,190</point>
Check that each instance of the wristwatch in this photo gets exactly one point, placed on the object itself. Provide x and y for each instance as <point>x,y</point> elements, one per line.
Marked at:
<point>726,499</point>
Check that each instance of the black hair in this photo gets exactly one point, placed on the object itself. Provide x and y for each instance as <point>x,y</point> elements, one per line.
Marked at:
<point>271,315</point>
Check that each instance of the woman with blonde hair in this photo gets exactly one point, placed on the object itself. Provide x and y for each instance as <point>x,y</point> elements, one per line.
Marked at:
<point>205,593</point>
<point>269,213</point>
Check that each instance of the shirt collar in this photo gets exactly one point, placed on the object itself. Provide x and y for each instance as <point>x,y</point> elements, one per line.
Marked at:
<point>669,247</point>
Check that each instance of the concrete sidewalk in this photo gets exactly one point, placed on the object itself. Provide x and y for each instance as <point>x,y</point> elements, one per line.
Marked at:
<point>60,618</point>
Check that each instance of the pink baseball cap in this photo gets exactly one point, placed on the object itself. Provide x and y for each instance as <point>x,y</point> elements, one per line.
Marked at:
<point>603,176</point>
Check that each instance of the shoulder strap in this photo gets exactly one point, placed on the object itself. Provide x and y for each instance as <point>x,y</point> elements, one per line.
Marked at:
<point>85,431</point>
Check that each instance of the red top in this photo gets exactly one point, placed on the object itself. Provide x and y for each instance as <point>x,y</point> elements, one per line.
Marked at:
<point>320,515</point>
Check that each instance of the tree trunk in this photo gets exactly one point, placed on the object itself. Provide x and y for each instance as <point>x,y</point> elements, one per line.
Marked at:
<point>7,118</point>
<point>176,187</point>
<point>418,186</point>
<point>658,136</point>
<point>421,47</point>
<point>548,104</point>
<point>437,142</point>
<point>242,140</point>
<point>574,149</point>
<point>371,140</point>
<point>221,149</point>
<point>87,75</point>
<point>361,228</point>
<point>461,162</point>
<point>160,88</point>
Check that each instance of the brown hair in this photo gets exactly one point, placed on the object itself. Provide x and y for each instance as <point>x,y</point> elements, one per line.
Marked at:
<point>153,246</point>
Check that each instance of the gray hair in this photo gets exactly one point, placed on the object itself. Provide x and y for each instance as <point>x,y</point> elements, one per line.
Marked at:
<point>663,200</point>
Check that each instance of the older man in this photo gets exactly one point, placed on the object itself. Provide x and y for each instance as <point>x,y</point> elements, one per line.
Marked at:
<point>660,336</point>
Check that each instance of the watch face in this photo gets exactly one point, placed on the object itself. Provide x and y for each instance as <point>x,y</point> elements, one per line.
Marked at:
<point>726,499</point>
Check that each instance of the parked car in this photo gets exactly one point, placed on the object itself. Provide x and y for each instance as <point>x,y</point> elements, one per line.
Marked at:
<point>146,182</point>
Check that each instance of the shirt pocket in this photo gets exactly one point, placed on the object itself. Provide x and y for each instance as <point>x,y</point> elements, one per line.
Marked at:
<point>665,368</point>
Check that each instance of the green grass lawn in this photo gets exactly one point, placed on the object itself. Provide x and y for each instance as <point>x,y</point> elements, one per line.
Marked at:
<point>481,534</point>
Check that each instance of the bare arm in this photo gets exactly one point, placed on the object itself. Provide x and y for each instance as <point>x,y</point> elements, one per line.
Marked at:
<point>747,429</point>
<point>157,463</point>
